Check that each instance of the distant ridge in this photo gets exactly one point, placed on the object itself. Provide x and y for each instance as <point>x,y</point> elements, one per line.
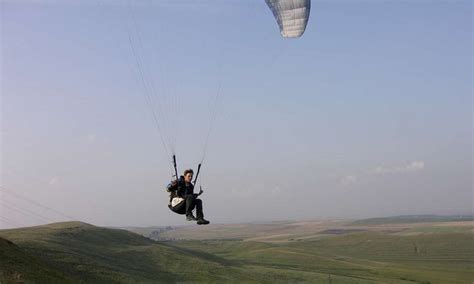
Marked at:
<point>413,219</point>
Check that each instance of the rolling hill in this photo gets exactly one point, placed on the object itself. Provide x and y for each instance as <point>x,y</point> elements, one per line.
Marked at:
<point>279,252</point>
<point>17,265</point>
<point>83,252</point>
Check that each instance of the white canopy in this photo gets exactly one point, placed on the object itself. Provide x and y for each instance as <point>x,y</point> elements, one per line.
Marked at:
<point>291,15</point>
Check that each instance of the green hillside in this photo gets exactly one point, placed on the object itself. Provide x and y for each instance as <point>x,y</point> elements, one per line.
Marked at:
<point>77,252</point>
<point>93,254</point>
<point>365,257</point>
<point>18,265</point>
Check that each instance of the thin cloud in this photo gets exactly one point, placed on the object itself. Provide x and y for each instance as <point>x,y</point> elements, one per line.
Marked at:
<point>411,167</point>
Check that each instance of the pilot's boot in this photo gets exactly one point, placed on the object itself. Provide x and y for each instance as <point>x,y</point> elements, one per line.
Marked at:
<point>202,221</point>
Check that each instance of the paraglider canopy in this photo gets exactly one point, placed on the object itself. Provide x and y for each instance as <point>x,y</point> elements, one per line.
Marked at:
<point>162,97</point>
<point>291,15</point>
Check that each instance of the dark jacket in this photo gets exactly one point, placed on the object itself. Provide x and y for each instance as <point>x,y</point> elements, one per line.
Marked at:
<point>180,188</point>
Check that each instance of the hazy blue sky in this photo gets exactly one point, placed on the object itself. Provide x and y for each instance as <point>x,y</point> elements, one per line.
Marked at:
<point>368,114</point>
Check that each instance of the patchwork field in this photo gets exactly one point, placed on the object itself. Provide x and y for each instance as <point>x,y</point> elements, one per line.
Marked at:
<point>333,251</point>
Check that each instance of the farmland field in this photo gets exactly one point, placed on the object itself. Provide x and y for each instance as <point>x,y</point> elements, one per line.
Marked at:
<point>334,251</point>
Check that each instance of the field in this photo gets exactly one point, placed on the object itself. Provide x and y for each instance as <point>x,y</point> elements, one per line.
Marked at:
<point>332,251</point>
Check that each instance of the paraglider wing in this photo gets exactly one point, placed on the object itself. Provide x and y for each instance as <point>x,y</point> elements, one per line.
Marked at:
<point>291,15</point>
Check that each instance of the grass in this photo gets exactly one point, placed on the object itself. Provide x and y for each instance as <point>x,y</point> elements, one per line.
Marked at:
<point>77,252</point>
<point>368,256</point>
<point>15,263</point>
<point>99,255</point>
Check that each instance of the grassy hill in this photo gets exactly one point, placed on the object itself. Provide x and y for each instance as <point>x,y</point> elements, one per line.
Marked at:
<point>366,257</point>
<point>92,254</point>
<point>16,263</point>
<point>76,252</point>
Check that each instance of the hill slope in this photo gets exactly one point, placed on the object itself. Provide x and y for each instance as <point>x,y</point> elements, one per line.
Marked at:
<point>93,254</point>
<point>85,253</point>
<point>18,265</point>
<point>77,252</point>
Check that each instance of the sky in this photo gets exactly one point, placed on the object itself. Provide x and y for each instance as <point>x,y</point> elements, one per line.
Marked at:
<point>368,114</point>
